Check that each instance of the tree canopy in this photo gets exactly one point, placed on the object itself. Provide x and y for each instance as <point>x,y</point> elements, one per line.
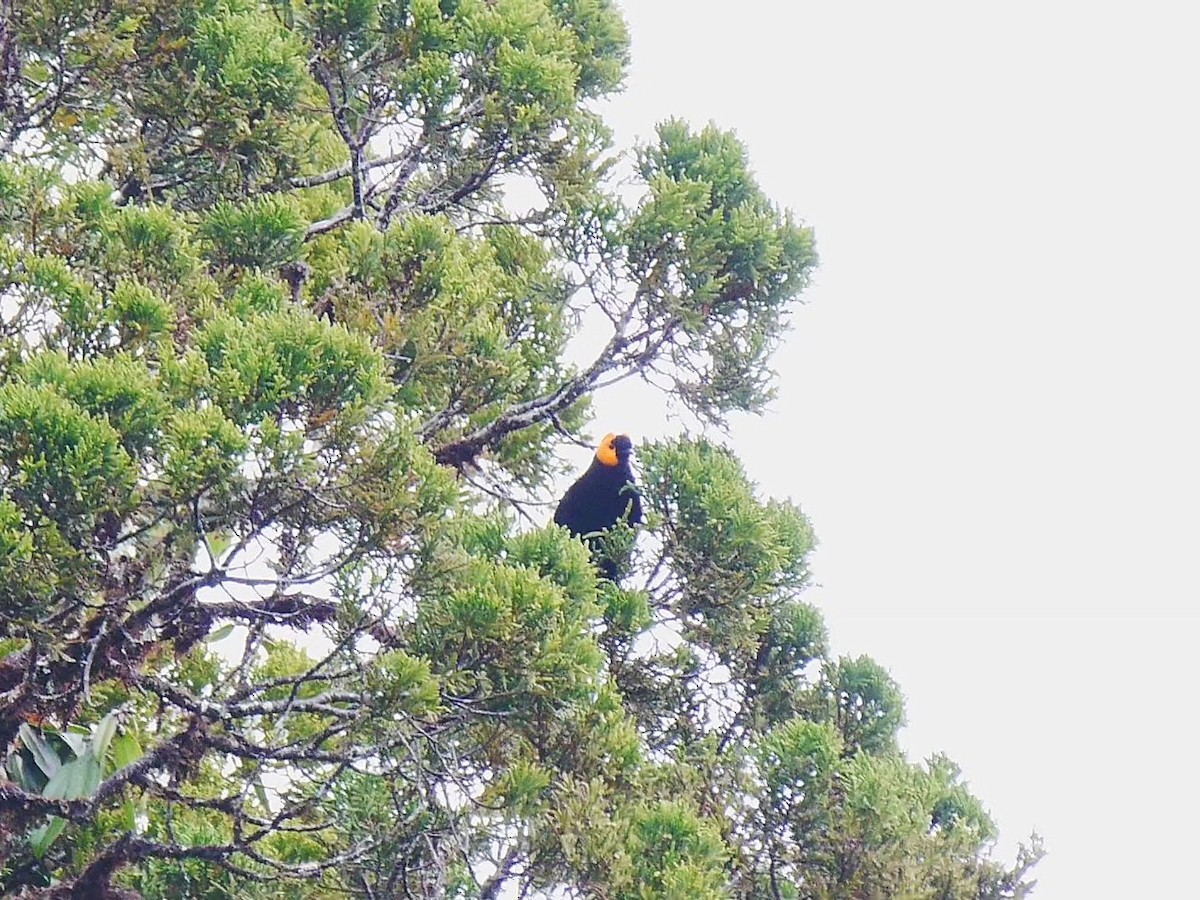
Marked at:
<point>286,374</point>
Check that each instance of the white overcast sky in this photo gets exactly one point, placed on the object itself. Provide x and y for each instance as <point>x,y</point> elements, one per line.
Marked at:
<point>988,402</point>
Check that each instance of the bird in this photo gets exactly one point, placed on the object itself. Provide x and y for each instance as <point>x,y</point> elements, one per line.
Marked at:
<point>600,497</point>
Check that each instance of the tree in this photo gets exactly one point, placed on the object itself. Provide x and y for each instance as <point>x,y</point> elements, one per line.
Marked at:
<point>283,371</point>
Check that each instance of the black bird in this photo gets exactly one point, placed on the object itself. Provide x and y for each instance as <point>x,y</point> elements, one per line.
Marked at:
<point>600,497</point>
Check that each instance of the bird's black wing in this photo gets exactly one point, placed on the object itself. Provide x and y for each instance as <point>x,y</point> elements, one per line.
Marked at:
<point>633,498</point>
<point>577,509</point>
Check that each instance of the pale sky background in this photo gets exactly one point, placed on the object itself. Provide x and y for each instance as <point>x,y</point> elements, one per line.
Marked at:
<point>987,403</point>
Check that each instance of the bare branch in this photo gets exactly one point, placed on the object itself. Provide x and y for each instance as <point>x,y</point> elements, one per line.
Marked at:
<point>341,172</point>
<point>491,888</point>
<point>340,217</point>
<point>412,160</point>
<point>321,704</point>
<point>354,143</point>
<point>523,415</point>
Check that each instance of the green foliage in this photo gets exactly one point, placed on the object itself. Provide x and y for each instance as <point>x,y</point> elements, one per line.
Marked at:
<point>510,639</point>
<point>798,758</point>
<point>721,258</point>
<point>283,382</point>
<point>60,765</point>
<point>259,233</point>
<point>248,58</point>
<point>404,682</point>
<point>64,467</point>
<point>869,706</point>
<point>714,518</point>
<point>116,388</point>
<point>201,448</point>
<point>288,361</point>
<point>676,855</point>
<point>139,314</point>
<point>154,244</point>
<point>741,555</point>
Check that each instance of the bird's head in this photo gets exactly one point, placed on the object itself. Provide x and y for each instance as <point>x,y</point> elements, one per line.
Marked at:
<point>614,449</point>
